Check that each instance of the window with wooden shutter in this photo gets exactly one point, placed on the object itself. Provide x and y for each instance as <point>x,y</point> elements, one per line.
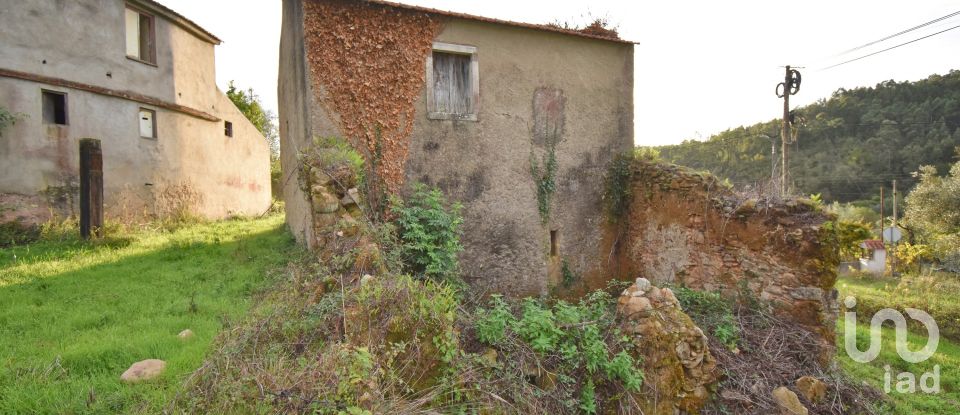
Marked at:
<point>453,82</point>
<point>140,37</point>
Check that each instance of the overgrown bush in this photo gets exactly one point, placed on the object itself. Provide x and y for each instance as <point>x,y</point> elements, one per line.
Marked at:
<point>711,312</point>
<point>334,152</point>
<point>576,348</point>
<point>16,233</point>
<point>428,229</point>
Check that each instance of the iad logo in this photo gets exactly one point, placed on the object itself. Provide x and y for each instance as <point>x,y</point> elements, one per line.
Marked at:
<point>906,381</point>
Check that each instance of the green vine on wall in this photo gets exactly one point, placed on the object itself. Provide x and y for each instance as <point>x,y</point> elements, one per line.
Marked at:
<point>8,118</point>
<point>545,176</point>
<point>618,191</point>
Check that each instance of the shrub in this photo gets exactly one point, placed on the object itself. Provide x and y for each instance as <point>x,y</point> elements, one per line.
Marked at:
<point>578,343</point>
<point>712,313</point>
<point>429,234</point>
<point>17,233</point>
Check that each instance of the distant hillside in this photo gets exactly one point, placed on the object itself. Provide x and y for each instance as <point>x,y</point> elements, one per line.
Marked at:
<point>850,143</point>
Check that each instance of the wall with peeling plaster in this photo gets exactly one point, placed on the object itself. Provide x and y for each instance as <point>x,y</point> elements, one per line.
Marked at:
<point>534,85</point>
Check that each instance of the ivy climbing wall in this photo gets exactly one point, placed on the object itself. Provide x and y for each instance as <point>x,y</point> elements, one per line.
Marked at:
<point>369,60</point>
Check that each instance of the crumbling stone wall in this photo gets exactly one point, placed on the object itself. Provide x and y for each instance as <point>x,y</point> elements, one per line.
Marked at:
<point>687,228</point>
<point>679,370</point>
<point>337,220</point>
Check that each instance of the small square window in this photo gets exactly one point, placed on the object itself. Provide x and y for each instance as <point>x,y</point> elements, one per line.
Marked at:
<point>141,44</point>
<point>228,128</point>
<point>148,123</point>
<point>54,108</point>
<point>453,82</point>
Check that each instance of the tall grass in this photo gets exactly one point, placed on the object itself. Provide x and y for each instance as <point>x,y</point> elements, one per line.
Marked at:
<point>74,315</point>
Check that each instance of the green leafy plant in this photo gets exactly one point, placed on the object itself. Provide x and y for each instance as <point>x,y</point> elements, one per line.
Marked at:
<point>711,312</point>
<point>588,398</point>
<point>850,235</point>
<point>429,234</point>
<point>576,341</point>
<point>335,152</point>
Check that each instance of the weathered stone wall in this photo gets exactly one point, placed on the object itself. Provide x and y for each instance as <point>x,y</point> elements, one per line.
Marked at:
<point>686,228</point>
<point>679,370</point>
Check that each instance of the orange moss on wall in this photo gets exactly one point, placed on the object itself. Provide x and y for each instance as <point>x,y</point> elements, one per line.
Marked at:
<point>369,60</point>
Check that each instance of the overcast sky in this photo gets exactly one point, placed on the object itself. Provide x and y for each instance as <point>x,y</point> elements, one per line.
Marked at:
<point>701,66</point>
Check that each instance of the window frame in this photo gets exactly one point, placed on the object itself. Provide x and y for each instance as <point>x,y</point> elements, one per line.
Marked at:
<point>151,58</point>
<point>456,49</point>
<point>228,128</point>
<point>153,119</point>
<point>66,107</point>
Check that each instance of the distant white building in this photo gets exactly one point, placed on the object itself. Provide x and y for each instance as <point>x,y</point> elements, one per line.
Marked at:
<point>875,261</point>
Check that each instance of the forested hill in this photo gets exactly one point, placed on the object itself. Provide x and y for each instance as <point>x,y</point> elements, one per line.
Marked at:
<point>849,144</point>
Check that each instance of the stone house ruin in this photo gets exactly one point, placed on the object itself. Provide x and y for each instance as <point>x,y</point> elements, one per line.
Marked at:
<point>139,77</point>
<point>518,122</point>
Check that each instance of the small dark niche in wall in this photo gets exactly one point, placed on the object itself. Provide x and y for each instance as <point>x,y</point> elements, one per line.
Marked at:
<point>554,243</point>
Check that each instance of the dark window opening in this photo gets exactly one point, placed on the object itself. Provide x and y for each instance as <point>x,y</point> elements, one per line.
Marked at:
<point>54,108</point>
<point>554,244</point>
<point>228,128</point>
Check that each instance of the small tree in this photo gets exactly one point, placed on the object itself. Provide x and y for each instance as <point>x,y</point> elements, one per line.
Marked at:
<point>429,234</point>
<point>932,211</point>
<point>850,235</point>
<point>248,102</point>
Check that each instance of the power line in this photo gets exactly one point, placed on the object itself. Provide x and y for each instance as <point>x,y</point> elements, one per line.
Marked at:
<point>899,33</point>
<point>890,48</point>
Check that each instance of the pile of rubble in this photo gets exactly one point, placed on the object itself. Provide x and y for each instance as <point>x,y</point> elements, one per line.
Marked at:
<point>678,368</point>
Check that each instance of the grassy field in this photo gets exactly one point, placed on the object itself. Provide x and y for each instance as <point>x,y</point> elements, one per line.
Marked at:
<point>916,292</point>
<point>74,315</point>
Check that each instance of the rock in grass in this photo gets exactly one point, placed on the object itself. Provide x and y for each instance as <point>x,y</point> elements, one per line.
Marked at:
<point>788,402</point>
<point>812,388</point>
<point>143,370</point>
<point>186,334</point>
<point>366,279</point>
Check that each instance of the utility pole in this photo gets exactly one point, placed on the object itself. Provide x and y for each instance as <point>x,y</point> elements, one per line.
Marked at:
<point>881,215</point>
<point>894,203</point>
<point>894,227</point>
<point>790,85</point>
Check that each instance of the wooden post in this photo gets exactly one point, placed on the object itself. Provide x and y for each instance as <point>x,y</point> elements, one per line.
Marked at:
<point>91,188</point>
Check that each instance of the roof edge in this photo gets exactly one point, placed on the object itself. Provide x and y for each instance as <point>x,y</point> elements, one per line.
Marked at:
<point>498,21</point>
<point>177,18</point>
